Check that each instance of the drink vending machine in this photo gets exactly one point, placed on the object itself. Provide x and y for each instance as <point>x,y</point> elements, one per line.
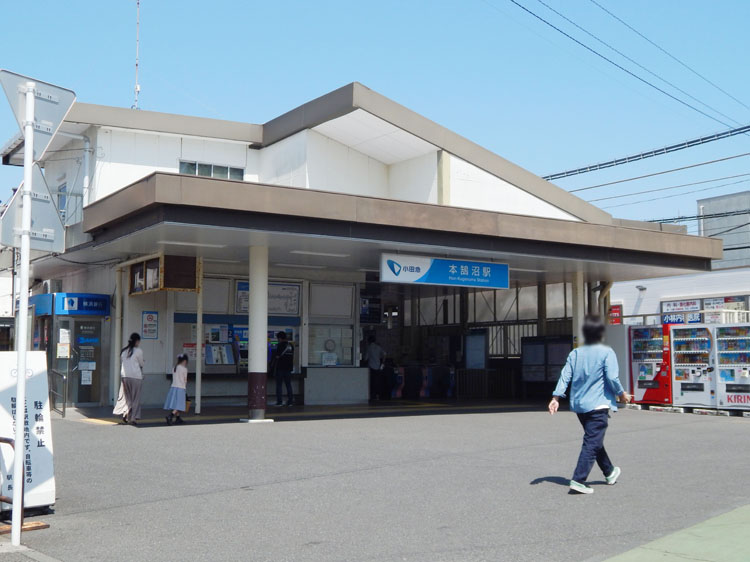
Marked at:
<point>733,366</point>
<point>693,372</point>
<point>652,380</point>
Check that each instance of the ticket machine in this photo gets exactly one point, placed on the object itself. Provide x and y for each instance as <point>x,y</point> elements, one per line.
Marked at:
<point>73,329</point>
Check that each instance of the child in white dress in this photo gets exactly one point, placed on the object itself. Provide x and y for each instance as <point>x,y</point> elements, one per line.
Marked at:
<point>176,397</point>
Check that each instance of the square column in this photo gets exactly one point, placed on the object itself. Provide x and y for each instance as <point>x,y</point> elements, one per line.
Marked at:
<point>257,323</point>
<point>578,314</point>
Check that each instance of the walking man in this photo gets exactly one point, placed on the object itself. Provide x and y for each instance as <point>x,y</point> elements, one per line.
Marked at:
<point>592,372</point>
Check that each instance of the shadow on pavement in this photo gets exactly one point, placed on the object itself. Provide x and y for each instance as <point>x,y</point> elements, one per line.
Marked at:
<point>559,480</point>
<point>155,417</point>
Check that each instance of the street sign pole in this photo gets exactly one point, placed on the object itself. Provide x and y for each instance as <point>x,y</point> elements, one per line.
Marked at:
<point>22,320</point>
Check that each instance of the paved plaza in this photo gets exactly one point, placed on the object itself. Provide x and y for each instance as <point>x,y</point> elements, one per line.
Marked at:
<point>458,487</point>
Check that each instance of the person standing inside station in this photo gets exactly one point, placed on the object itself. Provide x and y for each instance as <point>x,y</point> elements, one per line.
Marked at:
<point>282,367</point>
<point>593,375</point>
<point>176,396</point>
<point>375,358</point>
<point>131,379</point>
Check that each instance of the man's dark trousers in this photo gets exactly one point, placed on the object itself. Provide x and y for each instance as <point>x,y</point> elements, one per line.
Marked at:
<point>594,427</point>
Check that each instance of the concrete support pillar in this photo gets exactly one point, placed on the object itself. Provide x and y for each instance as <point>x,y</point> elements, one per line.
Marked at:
<point>444,178</point>
<point>257,328</point>
<point>114,378</point>
<point>199,339</point>
<point>541,309</point>
<point>578,314</point>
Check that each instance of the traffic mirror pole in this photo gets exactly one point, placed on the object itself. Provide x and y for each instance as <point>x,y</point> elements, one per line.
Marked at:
<point>22,319</point>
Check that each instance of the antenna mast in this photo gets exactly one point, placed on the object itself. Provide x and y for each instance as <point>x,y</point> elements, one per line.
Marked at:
<point>137,29</point>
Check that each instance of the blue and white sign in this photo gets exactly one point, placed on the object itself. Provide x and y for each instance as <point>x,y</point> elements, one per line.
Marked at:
<point>81,304</point>
<point>423,270</point>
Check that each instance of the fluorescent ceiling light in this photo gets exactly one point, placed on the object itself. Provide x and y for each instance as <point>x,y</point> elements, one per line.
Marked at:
<point>194,244</point>
<point>300,266</point>
<point>211,260</point>
<point>323,254</point>
<point>369,269</point>
<point>529,270</point>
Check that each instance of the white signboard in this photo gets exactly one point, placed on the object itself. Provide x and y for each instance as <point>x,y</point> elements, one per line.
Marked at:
<point>150,325</point>
<point>39,472</point>
<point>283,299</point>
<point>681,306</point>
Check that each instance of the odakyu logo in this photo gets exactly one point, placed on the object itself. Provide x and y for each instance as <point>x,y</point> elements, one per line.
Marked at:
<point>395,267</point>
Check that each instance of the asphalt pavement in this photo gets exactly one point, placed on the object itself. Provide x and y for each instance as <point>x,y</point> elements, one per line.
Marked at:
<point>463,487</point>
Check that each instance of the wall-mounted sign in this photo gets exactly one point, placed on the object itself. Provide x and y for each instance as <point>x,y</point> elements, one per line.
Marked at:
<point>150,325</point>
<point>81,304</point>
<point>283,298</point>
<point>688,305</point>
<point>615,314</point>
<point>681,318</point>
<point>423,270</point>
<point>165,273</point>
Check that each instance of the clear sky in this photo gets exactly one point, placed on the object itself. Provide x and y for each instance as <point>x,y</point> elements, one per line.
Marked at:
<point>483,68</point>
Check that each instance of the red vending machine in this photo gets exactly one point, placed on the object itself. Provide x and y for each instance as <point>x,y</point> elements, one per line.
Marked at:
<point>650,359</point>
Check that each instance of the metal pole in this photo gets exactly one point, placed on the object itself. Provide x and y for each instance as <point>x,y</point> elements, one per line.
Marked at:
<point>119,305</point>
<point>22,321</point>
<point>199,340</point>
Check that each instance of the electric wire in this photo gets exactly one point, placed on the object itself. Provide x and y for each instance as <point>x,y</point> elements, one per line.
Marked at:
<point>666,188</point>
<point>704,216</point>
<point>650,153</point>
<point>610,61</point>
<point>626,57</point>
<point>675,195</point>
<point>730,229</point>
<point>706,163</point>
<point>670,55</point>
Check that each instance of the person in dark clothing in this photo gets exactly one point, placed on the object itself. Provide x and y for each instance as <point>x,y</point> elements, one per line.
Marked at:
<point>282,367</point>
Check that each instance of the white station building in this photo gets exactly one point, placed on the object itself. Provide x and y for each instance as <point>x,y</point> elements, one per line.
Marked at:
<point>209,236</point>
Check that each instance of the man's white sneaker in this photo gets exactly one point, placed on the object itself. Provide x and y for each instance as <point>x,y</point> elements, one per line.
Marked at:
<point>612,478</point>
<point>580,488</point>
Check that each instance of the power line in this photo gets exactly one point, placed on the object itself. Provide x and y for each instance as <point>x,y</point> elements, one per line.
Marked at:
<point>661,173</point>
<point>610,61</point>
<point>675,195</point>
<point>698,217</point>
<point>666,188</point>
<point>670,55</point>
<point>729,229</point>
<point>635,62</point>
<point>650,153</point>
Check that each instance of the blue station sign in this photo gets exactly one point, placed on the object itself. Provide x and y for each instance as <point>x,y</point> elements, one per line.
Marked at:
<point>424,270</point>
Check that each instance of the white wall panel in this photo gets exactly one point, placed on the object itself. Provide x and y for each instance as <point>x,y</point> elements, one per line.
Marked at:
<point>474,188</point>
<point>332,166</point>
<point>284,162</point>
<point>415,179</point>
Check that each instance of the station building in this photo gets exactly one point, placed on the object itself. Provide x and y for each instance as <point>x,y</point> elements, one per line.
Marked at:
<point>209,236</point>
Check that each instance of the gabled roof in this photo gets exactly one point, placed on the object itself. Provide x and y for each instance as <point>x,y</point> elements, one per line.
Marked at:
<point>351,98</point>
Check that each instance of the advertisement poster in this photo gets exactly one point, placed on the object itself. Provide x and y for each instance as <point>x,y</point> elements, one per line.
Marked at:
<point>283,299</point>
<point>150,325</point>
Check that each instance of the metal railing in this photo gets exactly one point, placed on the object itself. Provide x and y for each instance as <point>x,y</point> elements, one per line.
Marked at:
<point>60,392</point>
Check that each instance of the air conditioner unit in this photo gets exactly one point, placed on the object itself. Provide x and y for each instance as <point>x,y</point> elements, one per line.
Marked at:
<point>52,286</point>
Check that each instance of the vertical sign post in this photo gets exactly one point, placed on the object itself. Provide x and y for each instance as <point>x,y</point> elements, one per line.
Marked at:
<point>22,317</point>
<point>39,109</point>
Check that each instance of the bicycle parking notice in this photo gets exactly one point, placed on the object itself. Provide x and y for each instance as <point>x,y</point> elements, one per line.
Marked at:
<point>38,474</point>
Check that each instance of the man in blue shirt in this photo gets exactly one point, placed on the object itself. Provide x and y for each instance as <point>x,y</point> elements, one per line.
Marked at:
<point>592,372</point>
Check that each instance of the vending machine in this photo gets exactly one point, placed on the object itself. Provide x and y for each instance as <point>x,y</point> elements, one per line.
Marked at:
<point>733,366</point>
<point>693,366</point>
<point>649,360</point>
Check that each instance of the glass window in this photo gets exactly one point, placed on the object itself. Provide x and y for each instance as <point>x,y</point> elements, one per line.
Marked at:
<point>221,172</point>
<point>204,170</point>
<point>236,174</point>
<point>187,168</point>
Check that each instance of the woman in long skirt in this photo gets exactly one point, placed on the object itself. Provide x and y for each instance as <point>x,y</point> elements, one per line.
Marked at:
<point>131,379</point>
<point>176,397</point>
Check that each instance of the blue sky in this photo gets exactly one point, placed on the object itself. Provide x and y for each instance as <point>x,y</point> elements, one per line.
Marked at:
<point>482,68</point>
